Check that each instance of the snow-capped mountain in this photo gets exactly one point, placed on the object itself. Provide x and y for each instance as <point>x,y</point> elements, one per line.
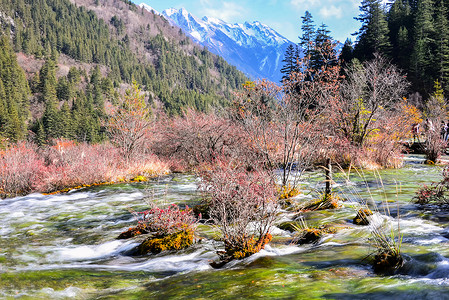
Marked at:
<point>149,8</point>
<point>254,48</point>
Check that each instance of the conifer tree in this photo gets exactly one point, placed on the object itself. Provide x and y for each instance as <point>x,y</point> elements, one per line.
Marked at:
<point>424,33</point>
<point>373,35</point>
<point>324,52</point>
<point>442,44</point>
<point>346,54</point>
<point>14,92</point>
<point>290,62</point>
<point>307,40</point>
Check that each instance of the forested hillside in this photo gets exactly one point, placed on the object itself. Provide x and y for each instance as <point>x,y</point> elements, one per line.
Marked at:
<point>414,34</point>
<point>77,55</point>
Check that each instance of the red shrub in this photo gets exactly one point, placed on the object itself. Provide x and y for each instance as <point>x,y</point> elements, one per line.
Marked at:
<point>72,164</point>
<point>243,204</point>
<point>167,221</point>
<point>197,138</point>
<point>21,169</point>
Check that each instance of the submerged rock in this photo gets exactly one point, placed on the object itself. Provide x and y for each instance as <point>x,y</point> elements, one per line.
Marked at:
<point>387,262</point>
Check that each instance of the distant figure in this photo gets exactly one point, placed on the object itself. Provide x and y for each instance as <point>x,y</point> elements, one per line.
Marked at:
<point>415,130</point>
<point>447,132</point>
<point>443,130</point>
<point>428,125</point>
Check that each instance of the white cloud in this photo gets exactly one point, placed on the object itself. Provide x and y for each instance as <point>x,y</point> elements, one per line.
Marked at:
<point>304,4</point>
<point>331,12</point>
<point>227,12</point>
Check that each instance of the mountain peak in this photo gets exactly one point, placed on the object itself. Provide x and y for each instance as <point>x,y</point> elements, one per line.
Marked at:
<point>253,47</point>
<point>149,8</point>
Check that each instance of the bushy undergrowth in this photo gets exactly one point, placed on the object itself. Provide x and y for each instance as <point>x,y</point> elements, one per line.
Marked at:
<point>26,168</point>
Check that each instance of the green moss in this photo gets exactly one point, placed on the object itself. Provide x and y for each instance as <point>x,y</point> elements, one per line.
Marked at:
<point>247,247</point>
<point>139,179</point>
<point>175,241</point>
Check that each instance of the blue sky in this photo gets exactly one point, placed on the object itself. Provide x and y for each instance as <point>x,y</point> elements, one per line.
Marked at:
<point>282,15</point>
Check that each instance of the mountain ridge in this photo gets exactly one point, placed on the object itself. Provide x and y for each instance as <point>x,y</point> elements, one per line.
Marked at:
<point>253,47</point>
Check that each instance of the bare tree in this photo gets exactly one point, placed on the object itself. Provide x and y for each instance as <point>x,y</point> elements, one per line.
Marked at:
<point>281,121</point>
<point>367,93</point>
<point>197,137</point>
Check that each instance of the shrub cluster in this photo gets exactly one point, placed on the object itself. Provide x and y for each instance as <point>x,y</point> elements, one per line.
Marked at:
<point>26,168</point>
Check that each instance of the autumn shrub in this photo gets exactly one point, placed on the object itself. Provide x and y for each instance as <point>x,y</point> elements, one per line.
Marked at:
<point>435,194</point>
<point>243,205</point>
<point>434,146</point>
<point>166,221</point>
<point>172,228</point>
<point>66,164</point>
<point>73,164</point>
<point>196,138</point>
<point>130,123</point>
<point>21,169</point>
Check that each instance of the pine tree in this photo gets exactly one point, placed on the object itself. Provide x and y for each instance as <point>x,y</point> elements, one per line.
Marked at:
<point>373,35</point>
<point>290,62</point>
<point>308,34</point>
<point>324,53</point>
<point>442,44</point>
<point>14,92</point>
<point>346,54</point>
<point>400,23</point>
<point>424,33</point>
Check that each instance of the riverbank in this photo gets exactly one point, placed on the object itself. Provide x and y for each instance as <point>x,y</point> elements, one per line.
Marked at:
<point>26,168</point>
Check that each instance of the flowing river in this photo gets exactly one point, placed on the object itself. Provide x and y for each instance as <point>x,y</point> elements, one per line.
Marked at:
<point>64,246</point>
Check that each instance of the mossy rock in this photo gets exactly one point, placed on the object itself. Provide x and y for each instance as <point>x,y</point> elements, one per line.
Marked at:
<point>175,241</point>
<point>387,263</point>
<point>133,231</point>
<point>362,217</point>
<point>289,226</point>
<point>287,192</point>
<point>313,235</point>
<point>244,249</point>
<point>325,202</point>
<point>429,162</point>
<point>248,247</point>
<point>310,236</point>
<point>139,179</point>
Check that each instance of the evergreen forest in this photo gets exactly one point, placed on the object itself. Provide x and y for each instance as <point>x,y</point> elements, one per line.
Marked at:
<point>53,99</point>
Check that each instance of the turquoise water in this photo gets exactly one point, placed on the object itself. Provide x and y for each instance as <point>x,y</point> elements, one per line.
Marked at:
<point>64,246</point>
